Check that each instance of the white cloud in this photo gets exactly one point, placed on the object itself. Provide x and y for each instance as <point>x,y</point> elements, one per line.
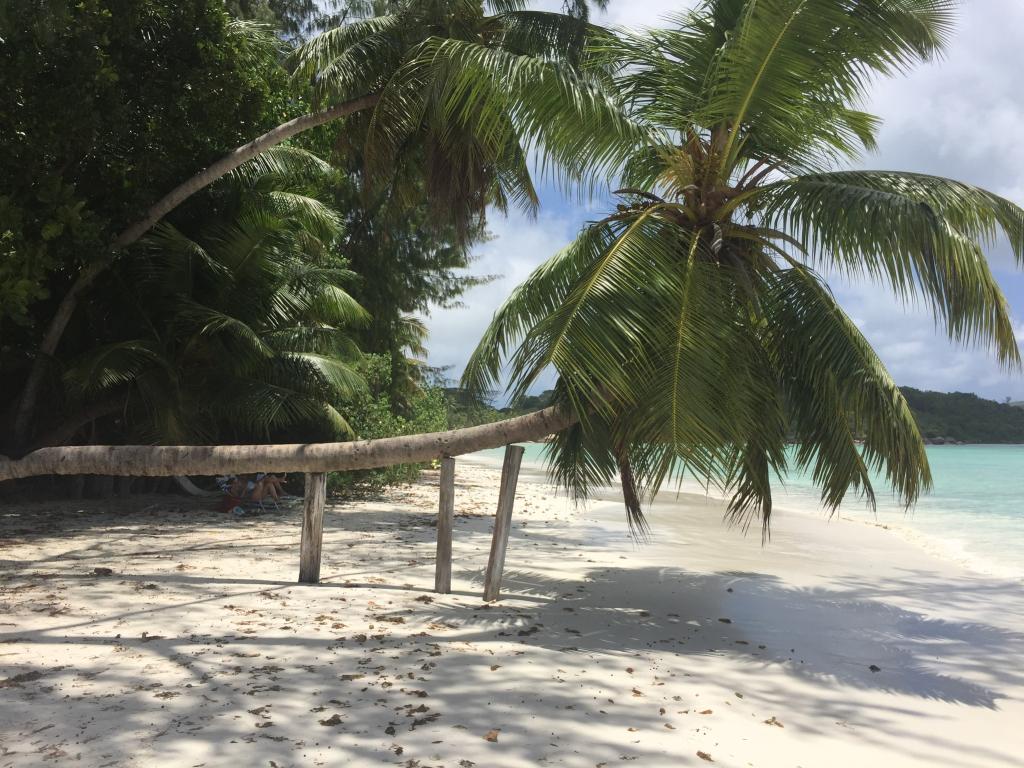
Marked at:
<point>961,117</point>
<point>520,244</point>
<point>918,354</point>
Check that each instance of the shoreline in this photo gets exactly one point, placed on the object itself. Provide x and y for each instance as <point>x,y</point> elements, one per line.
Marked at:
<point>946,547</point>
<point>838,645</point>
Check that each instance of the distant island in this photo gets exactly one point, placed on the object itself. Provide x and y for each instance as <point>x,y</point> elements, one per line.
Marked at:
<point>964,417</point>
<point>942,417</point>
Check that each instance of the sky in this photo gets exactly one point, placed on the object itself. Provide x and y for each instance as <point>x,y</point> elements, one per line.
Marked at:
<point>960,117</point>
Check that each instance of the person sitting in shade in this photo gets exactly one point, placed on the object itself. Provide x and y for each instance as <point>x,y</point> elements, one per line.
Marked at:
<point>240,489</point>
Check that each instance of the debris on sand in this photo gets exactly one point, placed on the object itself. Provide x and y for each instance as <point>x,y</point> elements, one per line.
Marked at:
<point>17,680</point>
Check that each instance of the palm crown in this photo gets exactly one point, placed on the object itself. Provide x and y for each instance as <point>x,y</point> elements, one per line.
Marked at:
<point>691,328</point>
<point>466,90</point>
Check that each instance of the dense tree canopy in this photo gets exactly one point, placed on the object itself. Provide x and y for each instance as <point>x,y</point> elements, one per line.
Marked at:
<point>222,326</point>
<point>107,104</point>
<point>443,103</point>
<point>965,417</point>
<point>238,327</point>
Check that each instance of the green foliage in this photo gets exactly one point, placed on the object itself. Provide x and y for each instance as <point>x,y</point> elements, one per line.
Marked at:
<point>465,97</point>
<point>965,417</point>
<point>26,258</point>
<point>297,19</point>
<point>409,263</point>
<point>372,416</point>
<point>157,90</point>
<point>106,104</point>
<point>689,328</point>
<point>469,409</point>
<point>239,327</point>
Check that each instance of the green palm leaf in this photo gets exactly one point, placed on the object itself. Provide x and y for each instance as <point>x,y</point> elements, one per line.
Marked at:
<point>687,330</point>
<point>922,234</point>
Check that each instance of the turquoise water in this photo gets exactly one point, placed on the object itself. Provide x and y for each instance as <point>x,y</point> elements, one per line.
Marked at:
<point>974,514</point>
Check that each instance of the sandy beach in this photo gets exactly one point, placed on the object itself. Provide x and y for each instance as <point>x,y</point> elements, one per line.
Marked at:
<point>153,631</point>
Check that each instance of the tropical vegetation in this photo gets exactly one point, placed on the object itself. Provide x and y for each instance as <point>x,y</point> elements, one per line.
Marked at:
<point>692,328</point>
<point>244,327</point>
<point>439,96</point>
<point>407,222</point>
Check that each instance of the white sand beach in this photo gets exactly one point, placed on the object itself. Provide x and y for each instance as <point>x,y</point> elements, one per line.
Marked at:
<point>837,644</point>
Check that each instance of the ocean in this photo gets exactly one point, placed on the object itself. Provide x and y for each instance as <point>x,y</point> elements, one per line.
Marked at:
<point>974,514</point>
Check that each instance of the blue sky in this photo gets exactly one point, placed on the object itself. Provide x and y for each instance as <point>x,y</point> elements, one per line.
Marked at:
<point>961,117</point>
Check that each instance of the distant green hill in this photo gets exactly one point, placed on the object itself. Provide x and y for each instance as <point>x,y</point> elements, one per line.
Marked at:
<point>965,417</point>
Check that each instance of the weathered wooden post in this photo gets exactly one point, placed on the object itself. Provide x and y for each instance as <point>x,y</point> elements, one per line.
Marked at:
<point>502,521</point>
<point>445,519</point>
<point>312,528</point>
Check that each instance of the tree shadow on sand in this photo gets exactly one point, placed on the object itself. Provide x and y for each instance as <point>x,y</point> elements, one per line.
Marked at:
<point>731,632</point>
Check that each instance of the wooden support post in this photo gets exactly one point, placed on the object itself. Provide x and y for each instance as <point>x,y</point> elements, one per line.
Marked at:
<point>502,521</point>
<point>312,528</point>
<point>445,519</point>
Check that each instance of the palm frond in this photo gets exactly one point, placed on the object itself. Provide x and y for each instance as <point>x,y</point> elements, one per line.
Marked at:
<point>312,57</point>
<point>283,161</point>
<point>309,215</point>
<point>783,57</point>
<point>112,366</point>
<point>341,379</point>
<point>550,36</point>
<point>921,234</point>
<point>574,126</point>
<point>257,42</point>
<point>352,59</point>
<point>240,341</point>
<point>837,391</point>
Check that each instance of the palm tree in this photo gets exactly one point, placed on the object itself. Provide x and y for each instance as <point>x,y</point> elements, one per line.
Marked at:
<point>472,92</point>
<point>692,329</point>
<point>245,324</point>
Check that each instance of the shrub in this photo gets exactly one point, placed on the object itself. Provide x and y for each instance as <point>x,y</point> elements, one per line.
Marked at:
<point>372,416</point>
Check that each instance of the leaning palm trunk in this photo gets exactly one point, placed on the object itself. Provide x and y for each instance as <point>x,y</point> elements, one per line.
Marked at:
<point>141,460</point>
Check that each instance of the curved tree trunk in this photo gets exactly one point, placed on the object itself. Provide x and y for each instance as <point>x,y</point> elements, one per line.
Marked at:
<point>141,460</point>
<point>30,392</point>
<point>229,162</point>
